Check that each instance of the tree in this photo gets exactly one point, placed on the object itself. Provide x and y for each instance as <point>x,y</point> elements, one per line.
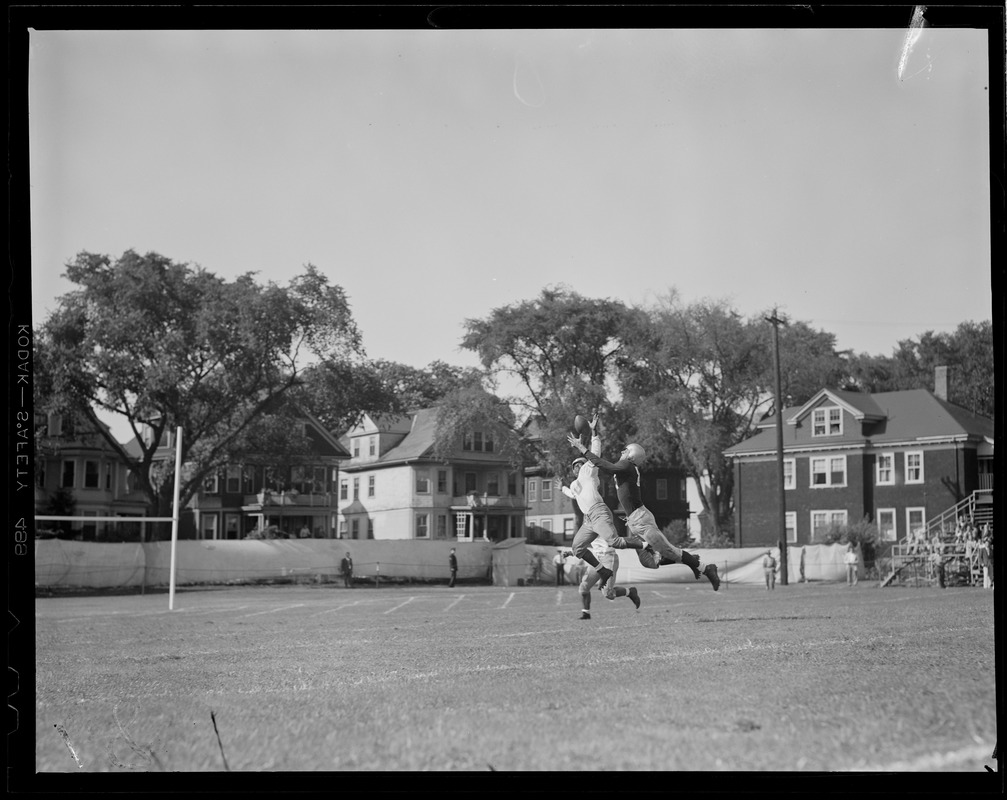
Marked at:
<point>163,344</point>
<point>967,352</point>
<point>698,379</point>
<point>562,350</point>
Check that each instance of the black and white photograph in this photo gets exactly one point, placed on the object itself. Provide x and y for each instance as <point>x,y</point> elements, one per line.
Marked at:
<point>596,393</point>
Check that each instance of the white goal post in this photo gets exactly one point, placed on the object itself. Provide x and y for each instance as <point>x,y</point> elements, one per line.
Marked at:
<point>173,519</point>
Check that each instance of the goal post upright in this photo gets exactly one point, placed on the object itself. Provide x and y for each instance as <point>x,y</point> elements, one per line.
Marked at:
<point>174,517</point>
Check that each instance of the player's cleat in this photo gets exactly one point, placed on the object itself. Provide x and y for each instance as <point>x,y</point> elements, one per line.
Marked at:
<point>604,573</point>
<point>634,595</point>
<point>711,573</point>
<point>585,615</point>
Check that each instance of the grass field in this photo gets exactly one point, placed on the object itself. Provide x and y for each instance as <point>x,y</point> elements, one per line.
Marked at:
<point>817,677</point>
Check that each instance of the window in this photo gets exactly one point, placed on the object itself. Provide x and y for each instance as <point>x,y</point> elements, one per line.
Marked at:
<point>372,445</point>
<point>512,484</point>
<point>232,524</point>
<point>442,527</point>
<point>344,489</point>
<point>90,474</point>
<point>914,466</point>
<point>470,482</point>
<point>251,479</point>
<point>69,473</point>
<point>318,480</point>
<point>568,531</point>
<point>886,525</point>
<point>234,480</point>
<point>461,526</point>
<point>108,476</point>
<point>546,490</point>
<point>489,442</point>
<point>493,484</point>
<point>356,491</point>
<point>916,520</point>
<point>209,526</point>
<point>466,441</point>
<point>442,481</point>
<point>532,490</point>
<point>683,490</point>
<point>828,471</point>
<point>355,528</point>
<point>547,525</point>
<point>370,528</point>
<point>790,524</point>
<point>422,521</point>
<point>211,483</point>
<point>342,529</point>
<point>789,473</point>
<point>885,469</point>
<point>370,486</point>
<point>477,441</point>
<point>661,488</point>
<point>827,421</point>
<point>422,481</point>
<point>356,448</point>
<point>822,521</point>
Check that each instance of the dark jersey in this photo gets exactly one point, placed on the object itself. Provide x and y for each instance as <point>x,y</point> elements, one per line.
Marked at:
<point>627,480</point>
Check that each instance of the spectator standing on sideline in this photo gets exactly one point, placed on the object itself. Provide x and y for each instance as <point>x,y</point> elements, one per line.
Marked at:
<point>985,550</point>
<point>453,566</point>
<point>803,579</point>
<point>938,563</point>
<point>304,532</point>
<point>558,562</point>
<point>346,567</point>
<point>851,560</point>
<point>769,568</point>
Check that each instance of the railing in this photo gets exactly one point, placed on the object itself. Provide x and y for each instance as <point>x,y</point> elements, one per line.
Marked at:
<point>286,499</point>
<point>986,481</point>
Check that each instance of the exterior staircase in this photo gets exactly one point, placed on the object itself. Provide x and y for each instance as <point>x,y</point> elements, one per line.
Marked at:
<point>978,507</point>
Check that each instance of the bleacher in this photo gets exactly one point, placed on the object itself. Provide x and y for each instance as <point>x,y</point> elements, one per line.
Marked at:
<point>912,559</point>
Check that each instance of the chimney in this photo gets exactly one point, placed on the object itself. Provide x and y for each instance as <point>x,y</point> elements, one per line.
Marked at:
<point>941,382</point>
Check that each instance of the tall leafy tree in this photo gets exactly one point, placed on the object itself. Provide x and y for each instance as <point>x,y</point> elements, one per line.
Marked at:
<point>699,377</point>
<point>967,351</point>
<point>162,344</point>
<point>560,352</point>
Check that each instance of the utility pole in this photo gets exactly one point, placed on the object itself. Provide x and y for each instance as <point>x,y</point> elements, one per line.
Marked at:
<point>775,321</point>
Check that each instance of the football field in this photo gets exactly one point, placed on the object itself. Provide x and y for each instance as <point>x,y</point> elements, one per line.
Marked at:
<point>814,677</point>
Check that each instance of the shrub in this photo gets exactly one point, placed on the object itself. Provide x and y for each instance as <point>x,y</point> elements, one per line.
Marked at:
<point>677,532</point>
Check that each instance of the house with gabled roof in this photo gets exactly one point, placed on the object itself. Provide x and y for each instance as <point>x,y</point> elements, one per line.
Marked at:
<point>75,458</point>
<point>254,495</point>
<point>393,486</point>
<point>902,460</point>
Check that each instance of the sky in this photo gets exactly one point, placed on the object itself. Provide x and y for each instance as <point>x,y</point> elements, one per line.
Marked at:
<point>437,175</point>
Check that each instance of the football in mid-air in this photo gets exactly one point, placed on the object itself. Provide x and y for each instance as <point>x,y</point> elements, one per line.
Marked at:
<point>580,425</point>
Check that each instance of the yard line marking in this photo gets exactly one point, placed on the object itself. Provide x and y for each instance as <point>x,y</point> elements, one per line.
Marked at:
<point>511,597</point>
<point>407,602</point>
<point>272,610</point>
<point>936,761</point>
<point>456,602</point>
<point>340,607</point>
<point>659,594</point>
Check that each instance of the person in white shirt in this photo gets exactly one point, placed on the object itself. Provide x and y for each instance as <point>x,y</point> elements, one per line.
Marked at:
<point>851,560</point>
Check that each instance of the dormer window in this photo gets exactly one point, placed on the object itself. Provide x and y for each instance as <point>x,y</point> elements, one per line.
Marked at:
<point>827,421</point>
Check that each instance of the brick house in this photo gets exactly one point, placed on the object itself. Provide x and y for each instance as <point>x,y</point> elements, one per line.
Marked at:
<point>393,487</point>
<point>897,459</point>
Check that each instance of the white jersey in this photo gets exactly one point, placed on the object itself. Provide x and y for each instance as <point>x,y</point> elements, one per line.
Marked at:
<point>586,490</point>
